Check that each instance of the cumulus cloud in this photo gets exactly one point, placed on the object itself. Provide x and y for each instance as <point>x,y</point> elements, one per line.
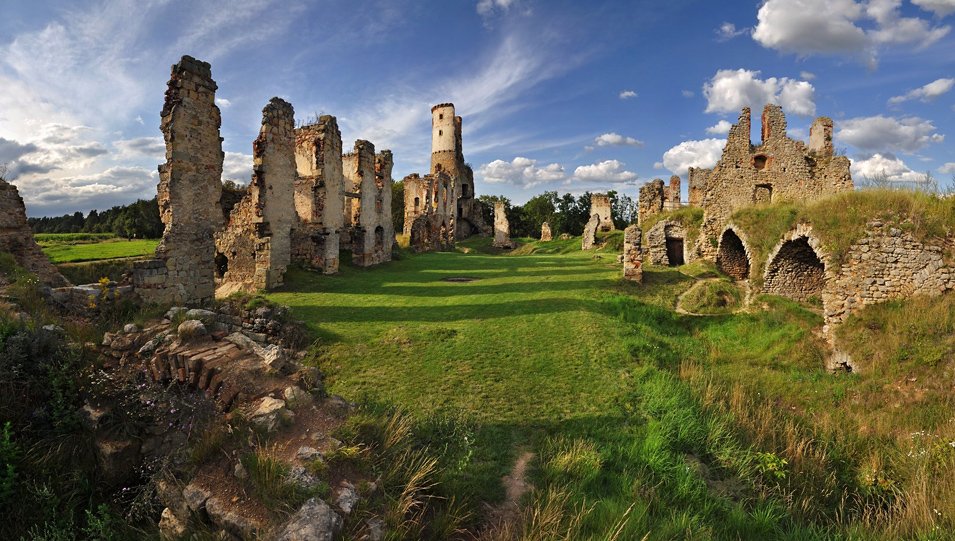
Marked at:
<point>877,165</point>
<point>938,7</point>
<point>704,153</point>
<point>947,169</point>
<point>237,167</point>
<point>521,171</point>
<point>615,139</point>
<point>627,94</point>
<point>731,90</point>
<point>927,92</point>
<point>608,171</point>
<point>886,134</point>
<point>141,147</point>
<point>487,7</point>
<point>728,31</point>
<point>113,186</point>
<point>223,103</point>
<point>807,75</point>
<point>721,128</point>
<point>12,150</point>
<point>807,27</point>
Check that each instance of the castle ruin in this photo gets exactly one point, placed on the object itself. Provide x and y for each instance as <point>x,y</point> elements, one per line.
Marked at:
<point>319,195</point>
<point>254,249</point>
<point>600,207</point>
<point>190,185</point>
<point>632,253</point>
<point>16,238</point>
<point>429,212</point>
<point>502,228</point>
<point>367,222</point>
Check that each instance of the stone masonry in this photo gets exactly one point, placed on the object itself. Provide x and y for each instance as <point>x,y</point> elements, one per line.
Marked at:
<point>671,194</point>
<point>589,239</point>
<point>365,218</point>
<point>502,228</point>
<point>650,202</point>
<point>16,238</point>
<point>667,244</point>
<point>779,168</point>
<point>254,250</point>
<point>319,195</point>
<point>632,254</point>
<point>600,206</point>
<point>190,184</point>
<point>429,212</point>
<point>546,234</point>
<point>447,155</point>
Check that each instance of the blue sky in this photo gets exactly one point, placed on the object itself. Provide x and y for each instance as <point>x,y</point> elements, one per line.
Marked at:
<point>556,95</point>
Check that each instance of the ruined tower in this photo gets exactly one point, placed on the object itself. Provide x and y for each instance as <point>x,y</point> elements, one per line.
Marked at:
<point>600,205</point>
<point>319,195</point>
<point>190,184</point>
<point>16,238</point>
<point>447,156</point>
<point>254,250</point>
<point>366,176</point>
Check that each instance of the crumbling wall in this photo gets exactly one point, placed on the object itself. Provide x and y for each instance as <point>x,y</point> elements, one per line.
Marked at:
<point>795,271</point>
<point>447,156</point>
<point>429,212</point>
<point>632,253</point>
<point>600,206</point>
<point>364,206</point>
<point>502,228</point>
<point>667,244</point>
<point>696,180</point>
<point>319,195</point>
<point>190,184</point>
<point>671,194</point>
<point>888,263</point>
<point>779,168</point>
<point>254,250</point>
<point>650,202</point>
<point>546,234</point>
<point>16,238</point>
<point>589,239</point>
<point>385,231</point>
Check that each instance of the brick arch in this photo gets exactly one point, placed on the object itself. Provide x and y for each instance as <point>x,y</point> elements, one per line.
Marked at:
<point>733,255</point>
<point>797,267</point>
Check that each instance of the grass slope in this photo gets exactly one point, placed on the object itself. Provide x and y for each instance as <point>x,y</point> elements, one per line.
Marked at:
<point>111,249</point>
<point>643,421</point>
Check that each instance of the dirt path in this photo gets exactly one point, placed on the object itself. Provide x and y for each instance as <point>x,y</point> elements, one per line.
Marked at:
<point>515,487</point>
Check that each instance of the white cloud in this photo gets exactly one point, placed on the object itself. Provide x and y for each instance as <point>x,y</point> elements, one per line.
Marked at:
<point>731,90</point>
<point>153,148</point>
<point>658,165</point>
<point>938,7</point>
<point>876,165</point>
<point>615,139</point>
<point>806,27</point>
<point>223,103</point>
<point>486,7</point>
<point>113,186</point>
<point>687,93</point>
<point>947,169</point>
<point>927,92</point>
<point>608,171</point>
<point>887,134</point>
<point>704,153</point>
<point>627,94</point>
<point>237,166</point>
<point>807,75</point>
<point>520,171</point>
<point>721,128</point>
<point>728,31</point>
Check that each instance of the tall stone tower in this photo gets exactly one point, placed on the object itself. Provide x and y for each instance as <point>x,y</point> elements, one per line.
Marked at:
<point>447,156</point>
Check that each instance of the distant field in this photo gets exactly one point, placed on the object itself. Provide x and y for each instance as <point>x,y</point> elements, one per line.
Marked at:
<point>71,238</point>
<point>59,252</point>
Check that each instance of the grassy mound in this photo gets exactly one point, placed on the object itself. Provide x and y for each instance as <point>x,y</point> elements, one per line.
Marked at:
<point>840,220</point>
<point>712,297</point>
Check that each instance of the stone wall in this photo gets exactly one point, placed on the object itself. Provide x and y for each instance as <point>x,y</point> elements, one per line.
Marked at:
<point>668,245</point>
<point>632,254</point>
<point>429,212</point>
<point>254,250</point>
<point>319,195</point>
<point>447,156</point>
<point>16,238</point>
<point>650,202</point>
<point>364,212</point>
<point>384,183</point>
<point>671,194</point>
<point>600,205</point>
<point>779,168</point>
<point>190,184</point>
<point>795,271</point>
<point>546,234</point>
<point>589,239</point>
<point>732,256</point>
<point>696,181</point>
<point>502,228</point>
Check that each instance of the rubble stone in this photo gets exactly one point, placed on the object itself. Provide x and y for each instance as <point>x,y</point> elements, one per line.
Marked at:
<point>314,521</point>
<point>632,254</point>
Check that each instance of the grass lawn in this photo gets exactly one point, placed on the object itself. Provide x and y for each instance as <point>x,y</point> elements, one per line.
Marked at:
<point>642,421</point>
<point>111,249</point>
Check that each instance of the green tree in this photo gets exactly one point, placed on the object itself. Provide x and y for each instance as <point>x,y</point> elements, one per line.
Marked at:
<point>398,206</point>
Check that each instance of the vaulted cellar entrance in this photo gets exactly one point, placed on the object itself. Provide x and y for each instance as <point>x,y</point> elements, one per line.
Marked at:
<point>675,251</point>
<point>796,271</point>
<point>731,257</point>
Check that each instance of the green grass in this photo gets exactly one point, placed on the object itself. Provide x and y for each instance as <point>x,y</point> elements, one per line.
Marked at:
<point>110,249</point>
<point>643,421</point>
<point>45,239</point>
<point>712,297</point>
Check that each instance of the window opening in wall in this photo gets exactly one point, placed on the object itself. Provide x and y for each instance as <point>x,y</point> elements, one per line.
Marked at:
<point>759,162</point>
<point>763,193</point>
<point>441,116</point>
<point>417,201</point>
<point>440,132</point>
<point>222,264</point>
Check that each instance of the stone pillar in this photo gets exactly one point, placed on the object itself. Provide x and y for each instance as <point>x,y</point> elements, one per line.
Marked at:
<point>590,233</point>
<point>632,254</point>
<point>502,229</point>
<point>650,201</point>
<point>361,193</point>
<point>820,136</point>
<point>319,195</point>
<point>672,201</point>
<point>190,184</point>
<point>384,163</point>
<point>546,234</point>
<point>255,249</point>
<point>600,205</point>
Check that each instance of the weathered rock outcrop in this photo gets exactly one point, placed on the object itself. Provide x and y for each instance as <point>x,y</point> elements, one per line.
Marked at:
<point>16,238</point>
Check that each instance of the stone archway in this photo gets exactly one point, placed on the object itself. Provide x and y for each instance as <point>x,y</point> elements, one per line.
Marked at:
<point>795,270</point>
<point>732,257</point>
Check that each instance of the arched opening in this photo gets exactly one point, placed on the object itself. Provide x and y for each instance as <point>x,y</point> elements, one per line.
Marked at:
<point>674,244</point>
<point>760,161</point>
<point>796,272</point>
<point>222,265</point>
<point>731,257</point>
<point>417,202</point>
<point>379,239</point>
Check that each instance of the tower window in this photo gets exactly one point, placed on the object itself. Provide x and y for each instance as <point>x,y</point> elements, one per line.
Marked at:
<point>441,116</point>
<point>440,133</point>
